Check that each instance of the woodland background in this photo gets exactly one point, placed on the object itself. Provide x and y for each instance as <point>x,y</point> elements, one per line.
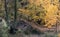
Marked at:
<point>43,15</point>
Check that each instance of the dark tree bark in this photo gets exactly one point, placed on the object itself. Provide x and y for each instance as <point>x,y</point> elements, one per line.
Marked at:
<point>6,11</point>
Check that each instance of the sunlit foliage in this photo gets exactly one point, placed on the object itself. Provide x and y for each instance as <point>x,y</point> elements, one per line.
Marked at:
<point>51,13</point>
<point>41,9</point>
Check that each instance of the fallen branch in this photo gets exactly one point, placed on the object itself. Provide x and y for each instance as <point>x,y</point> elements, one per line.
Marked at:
<point>37,27</point>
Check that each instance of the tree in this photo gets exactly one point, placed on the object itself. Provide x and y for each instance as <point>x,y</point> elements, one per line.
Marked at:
<point>45,10</point>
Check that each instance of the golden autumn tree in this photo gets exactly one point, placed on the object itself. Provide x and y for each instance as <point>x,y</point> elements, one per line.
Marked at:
<point>42,11</point>
<point>51,8</point>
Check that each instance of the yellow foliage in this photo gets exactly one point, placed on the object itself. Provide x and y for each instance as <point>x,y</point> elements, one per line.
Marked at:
<point>46,10</point>
<point>25,12</point>
<point>35,18</point>
<point>35,2</point>
<point>51,14</point>
<point>58,35</point>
